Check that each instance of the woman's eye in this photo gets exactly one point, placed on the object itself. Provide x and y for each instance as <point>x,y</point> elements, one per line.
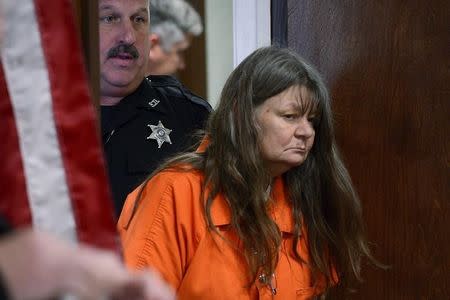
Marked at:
<point>312,118</point>
<point>290,116</point>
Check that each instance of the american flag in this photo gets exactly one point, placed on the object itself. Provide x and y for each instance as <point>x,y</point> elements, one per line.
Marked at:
<point>52,176</point>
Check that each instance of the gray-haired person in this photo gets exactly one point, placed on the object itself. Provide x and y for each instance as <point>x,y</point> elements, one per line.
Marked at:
<point>173,24</point>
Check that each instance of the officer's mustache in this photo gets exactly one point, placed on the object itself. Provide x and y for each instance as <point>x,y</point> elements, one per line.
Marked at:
<point>123,49</point>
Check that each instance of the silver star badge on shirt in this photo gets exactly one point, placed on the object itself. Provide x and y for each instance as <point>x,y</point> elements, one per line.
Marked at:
<point>160,134</point>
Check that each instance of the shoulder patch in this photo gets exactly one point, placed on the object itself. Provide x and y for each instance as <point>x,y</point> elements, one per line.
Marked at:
<point>171,87</point>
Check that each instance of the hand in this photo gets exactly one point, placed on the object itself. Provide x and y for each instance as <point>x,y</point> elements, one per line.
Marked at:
<point>36,265</point>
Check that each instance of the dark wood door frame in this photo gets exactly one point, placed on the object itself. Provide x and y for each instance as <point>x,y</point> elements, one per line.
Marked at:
<point>194,75</point>
<point>87,19</point>
<point>279,22</point>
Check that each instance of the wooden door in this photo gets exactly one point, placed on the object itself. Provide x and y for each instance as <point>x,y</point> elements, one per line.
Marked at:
<point>387,64</point>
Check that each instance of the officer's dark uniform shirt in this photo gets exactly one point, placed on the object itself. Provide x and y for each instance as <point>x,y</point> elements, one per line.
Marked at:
<point>145,128</point>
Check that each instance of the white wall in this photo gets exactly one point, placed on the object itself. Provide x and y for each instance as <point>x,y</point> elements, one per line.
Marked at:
<point>233,28</point>
<point>251,27</point>
<point>219,46</point>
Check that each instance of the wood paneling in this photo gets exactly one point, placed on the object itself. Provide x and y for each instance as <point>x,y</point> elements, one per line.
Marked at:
<point>194,75</point>
<point>387,65</point>
<point>87,18</point>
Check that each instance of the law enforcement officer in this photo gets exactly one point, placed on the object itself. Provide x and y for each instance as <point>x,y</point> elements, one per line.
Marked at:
<point>143,120</point>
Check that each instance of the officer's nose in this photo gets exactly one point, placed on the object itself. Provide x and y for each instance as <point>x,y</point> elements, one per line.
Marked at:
<point>128,33</point>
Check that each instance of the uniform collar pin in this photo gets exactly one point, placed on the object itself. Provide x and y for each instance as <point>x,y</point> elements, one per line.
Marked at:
<point>154,102</point>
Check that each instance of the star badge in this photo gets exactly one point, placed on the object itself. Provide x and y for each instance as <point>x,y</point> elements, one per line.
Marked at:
<point>160,134</point>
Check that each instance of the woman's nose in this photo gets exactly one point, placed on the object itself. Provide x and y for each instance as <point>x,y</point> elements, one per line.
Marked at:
<point>304,128</point>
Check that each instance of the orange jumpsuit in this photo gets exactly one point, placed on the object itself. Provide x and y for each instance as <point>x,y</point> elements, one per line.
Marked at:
<point>168,232</point>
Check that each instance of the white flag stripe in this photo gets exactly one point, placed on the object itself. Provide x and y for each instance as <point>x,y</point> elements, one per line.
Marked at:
<point>25,67</point>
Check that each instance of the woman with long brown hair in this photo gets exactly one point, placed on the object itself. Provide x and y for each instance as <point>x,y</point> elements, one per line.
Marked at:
<point>264,208</point>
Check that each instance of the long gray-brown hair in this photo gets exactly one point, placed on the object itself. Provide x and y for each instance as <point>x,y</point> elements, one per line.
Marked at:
<point>320,189</point>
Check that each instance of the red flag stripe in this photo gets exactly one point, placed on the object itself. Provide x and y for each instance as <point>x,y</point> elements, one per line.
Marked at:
<point>76,124</point>
<point>28,86</point>
<point>14,204</point>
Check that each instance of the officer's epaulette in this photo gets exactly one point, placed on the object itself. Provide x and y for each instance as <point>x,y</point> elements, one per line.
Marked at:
<point>173,87</point>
